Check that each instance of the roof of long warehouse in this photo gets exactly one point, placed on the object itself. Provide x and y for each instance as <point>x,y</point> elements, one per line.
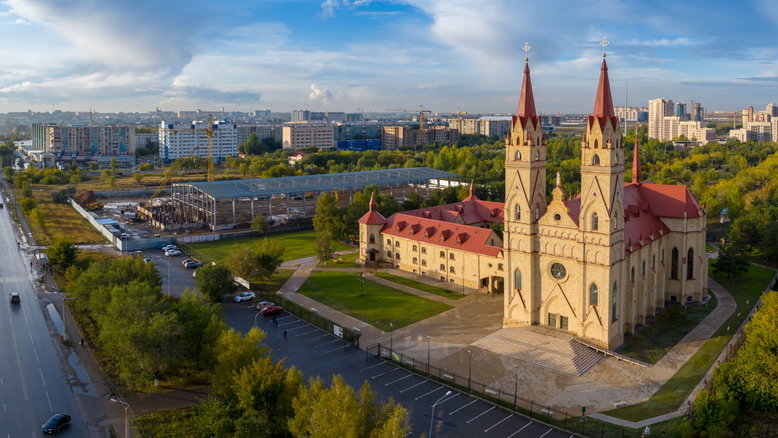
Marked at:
<point>240,188</point>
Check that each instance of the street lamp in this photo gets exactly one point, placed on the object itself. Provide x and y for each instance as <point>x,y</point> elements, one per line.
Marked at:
<point>469,368</point>
<point>126,415</point>
<point>255,319</point>
<point>361,283</point>
<point>516,388</point>
<point>432,416</point>
<point>428,354</point>
<point>391,339</point>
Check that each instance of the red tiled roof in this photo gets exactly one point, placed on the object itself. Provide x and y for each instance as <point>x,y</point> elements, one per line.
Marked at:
<point>470,211</point>
<point>603,104</point>
<point>666,200</point>
<point>442,233</point>
<point>372,217</point>
<point>526,99</point>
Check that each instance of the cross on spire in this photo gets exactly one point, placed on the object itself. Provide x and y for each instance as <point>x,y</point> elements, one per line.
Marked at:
<point>527,48</point>
<point>604,43</point>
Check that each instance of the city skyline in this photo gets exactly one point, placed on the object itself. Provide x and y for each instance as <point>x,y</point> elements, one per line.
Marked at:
<point>350,55</point>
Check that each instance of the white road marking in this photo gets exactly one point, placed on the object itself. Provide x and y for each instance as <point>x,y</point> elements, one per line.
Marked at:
<point>424,395</point>
<point>546,433</point>
<point>35,351</point>
<point>372,366</point>
<point>497,423</point>
<point>385,372</point>
<point>317,337</point>
<point>305,333</point>
<point>326,343</point>
<point>42,379</point>
<point>395,381</point>
<point>482,413</point>
<point>522,428</point>
<point>298,328</point>
<point>450,398</point>
<point>452,413</point>
<point>293,322</point>
<point>334,349</point>
<point>49,400</point>
<point>411,387</point>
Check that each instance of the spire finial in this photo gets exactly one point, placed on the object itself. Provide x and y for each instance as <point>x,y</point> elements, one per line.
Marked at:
<point>558,179</point>
<point>373,204</point>
<point>472,187</point>
<point>604,43</point>
<point>526,99</point>
<point>636,161</point>
<point>526,49</point>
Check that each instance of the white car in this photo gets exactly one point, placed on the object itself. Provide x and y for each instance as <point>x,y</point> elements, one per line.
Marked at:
<point>172,252</point>
<point>245,296</point>
<point>169,247</point>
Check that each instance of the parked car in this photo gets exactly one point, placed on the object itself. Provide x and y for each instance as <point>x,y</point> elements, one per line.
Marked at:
<point>172,253</point>
<point>262,304</point>
<point>15,299</point>
<point>245,296</point>
<point>270,310</point>
<point>185,261</point>
<point>146,259</point>
<point>56,423</point>
<point>167,247</point>
<point>192,264</point>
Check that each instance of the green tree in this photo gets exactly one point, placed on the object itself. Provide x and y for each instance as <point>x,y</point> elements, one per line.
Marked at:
<point>145,167</point>
<point>62,252</point>
<point>328,217</point>
<point>214,281</point>
<point>259,224</point>
<point>27,204</point>
<point>252,146</point>
<point>7,150</point>
<point>202,326</point>
<point>324,247</point>
<point>137,176</point>
<point>233,352</point>
<point>253,264</point>
<point>9,172</point>
<point>38,217</point>
<point>113,164</point>
<point>730,262</point>
<point>264,392</point>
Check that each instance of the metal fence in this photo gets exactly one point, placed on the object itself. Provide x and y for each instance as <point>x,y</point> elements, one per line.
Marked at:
<point>572,422</point>
<point>347,334</point>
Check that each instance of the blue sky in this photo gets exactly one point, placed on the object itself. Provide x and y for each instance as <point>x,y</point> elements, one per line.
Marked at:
<point>349,55</point>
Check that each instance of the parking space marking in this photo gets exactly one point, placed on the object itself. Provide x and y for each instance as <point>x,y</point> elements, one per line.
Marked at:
<point>522,428</point>
<point>306,333</point>
<point>444,401</point>
<point>372,366</point>
<point>482,413</point>
<point>424,395</point>
<point>395,381</point>
<point>335,349</point>
<point>385,372</point>
<point>545,433</point>
<point>293,322</point>
<point>326,343</point>
<point>454,412</point>
<point>497,423</point>
<point>298,328</point>
<point>411,387</point>
<point>317,337</point>
<point>283,317</point>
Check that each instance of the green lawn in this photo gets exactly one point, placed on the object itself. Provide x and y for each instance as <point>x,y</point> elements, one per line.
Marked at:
<point>276,281</point>
<point>746,290</point>
<point>298,245</point>
<point>162,424</point>
<point>344,261</point>
<point>378,305</point>
<point>656,339</point>
<point>421,286</point>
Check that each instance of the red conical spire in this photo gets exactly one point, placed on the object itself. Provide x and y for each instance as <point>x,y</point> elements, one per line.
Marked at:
<point>636,162</point>
<point>603,105</point>
<point>373,204</point>
<point>526,99</point>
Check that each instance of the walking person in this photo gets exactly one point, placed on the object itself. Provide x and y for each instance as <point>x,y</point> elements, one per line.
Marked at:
<point>81,342</point>
<point>275,322</point>
<point>284,334</point>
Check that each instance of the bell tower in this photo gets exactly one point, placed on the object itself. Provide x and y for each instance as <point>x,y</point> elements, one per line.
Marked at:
<point>525,203</point>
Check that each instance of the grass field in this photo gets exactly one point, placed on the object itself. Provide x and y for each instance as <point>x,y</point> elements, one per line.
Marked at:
<point>746,290</point>
<point>378,305</point>
<point>656,339</point>
<point>344,261</point>
<point>276,281</point>
<point>60,220</point>
<point>297,245</point>
<point>165,424</point>
<point>421,286</point>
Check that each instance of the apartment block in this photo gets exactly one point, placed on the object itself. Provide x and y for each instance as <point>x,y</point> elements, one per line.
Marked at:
<point>178,140</point>
<point>756,131</point>
<point>261,130</point>
<point>298,135</point>
<point>631,113</point>
<point>109,140</point>
<point>393,137</point>
<point>658,109</point>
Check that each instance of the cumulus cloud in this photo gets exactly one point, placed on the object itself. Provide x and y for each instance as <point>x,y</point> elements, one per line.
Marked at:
<point>328,7</point>
<point>319,94</point>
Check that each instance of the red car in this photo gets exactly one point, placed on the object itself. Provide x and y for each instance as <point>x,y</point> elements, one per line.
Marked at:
<point>270,310</point>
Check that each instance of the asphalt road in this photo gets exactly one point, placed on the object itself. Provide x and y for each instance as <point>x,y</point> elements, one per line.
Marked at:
<point>33,383</point>
<point>317,353</point>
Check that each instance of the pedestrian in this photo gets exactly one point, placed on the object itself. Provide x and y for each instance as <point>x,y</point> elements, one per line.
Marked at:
<point>275,322</point>
<point>284,334</point>
<point>81,342</point>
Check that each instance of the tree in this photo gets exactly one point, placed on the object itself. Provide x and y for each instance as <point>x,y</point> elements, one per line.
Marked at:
<point>324,249</point>
<point>62,252</point>
<point>214,281</point>
<point>145,167</point>
<point>253,264</point>
<point>114,161</point>
<point>233,352</point>
<point>27,204</point>
<point>730,262</point>
<point>7,153</point>
<point>9,172</point>
<point>259,224</point>
<point>38,217</point>
<point>137,176</point>
<point>252,146</point>
<point>328,217</point>
<point>339,411</point>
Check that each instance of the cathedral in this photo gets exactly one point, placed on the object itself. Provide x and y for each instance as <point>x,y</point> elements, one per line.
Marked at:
<point>595,265</point>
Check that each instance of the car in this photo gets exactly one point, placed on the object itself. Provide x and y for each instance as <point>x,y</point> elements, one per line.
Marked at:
<point>192,264</point>
<point>167,247</point>
<point>185,261</point>
<point>270,310</point>
<point>15,299</point>
<point>56,423</point>
<point>245,296</point>
<point>146,259</point>
<point>262,304</point>
<point>172,253</point>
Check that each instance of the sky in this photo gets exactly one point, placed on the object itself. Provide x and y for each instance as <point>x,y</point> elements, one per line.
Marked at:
<point>366,55</point>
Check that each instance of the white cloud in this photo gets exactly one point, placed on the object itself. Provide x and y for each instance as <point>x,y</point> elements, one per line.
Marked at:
<point>319,94</point>
<point>328,7</point>
<point>663,42</point>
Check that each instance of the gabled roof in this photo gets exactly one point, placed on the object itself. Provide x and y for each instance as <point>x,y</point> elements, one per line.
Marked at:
<point>442,233</point>
<point>666,200</point>
<point>471,210</point>
<point>372,217</point>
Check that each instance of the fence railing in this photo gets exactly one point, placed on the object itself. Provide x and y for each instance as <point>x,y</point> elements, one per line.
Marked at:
<point>347,334</point>
<point>563,418</point>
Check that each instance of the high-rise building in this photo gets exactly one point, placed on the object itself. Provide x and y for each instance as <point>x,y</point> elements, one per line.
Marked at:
<point>698,112</point>
<point>658,109</point>
<point>298,135</point>
<point>755,131</point>
<point>177,140</point>
<point>630,113</point>
<point>261,130</point>
<point>109,140</point>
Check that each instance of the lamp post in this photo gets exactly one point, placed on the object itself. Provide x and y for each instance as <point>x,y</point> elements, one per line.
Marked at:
<point>469,368</point>
<point>428,354</point>
<point>391,339</point>
<point>432,415</point>
<point>516,388</point>
<point>255,319</point>
<point>126,406</point>
<point>361,283</point>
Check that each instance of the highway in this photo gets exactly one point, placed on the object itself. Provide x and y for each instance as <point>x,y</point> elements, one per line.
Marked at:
<point>33,381</point>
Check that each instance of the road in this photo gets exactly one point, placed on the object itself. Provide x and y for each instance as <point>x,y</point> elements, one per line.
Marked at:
<point>33,383</point>
<point>317,353</point>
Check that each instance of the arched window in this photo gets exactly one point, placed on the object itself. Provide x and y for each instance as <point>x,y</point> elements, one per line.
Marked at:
<point>537,155</point>
<point>518,155</point>
<point>595,222</point>
<point>517,279</point>
<point>518,212</point>
<point>596,160</point>
<point>594,292</point>
<point>596,144</point>
<point>674,265</point>
<point>690,264</point>
<point>372,238</point>
<point>614,306</point>
<point>632,275</point>
<point>644,268</point>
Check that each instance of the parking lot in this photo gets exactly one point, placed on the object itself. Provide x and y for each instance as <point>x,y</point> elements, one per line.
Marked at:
<point>175,277</point>
<point>317,353</point>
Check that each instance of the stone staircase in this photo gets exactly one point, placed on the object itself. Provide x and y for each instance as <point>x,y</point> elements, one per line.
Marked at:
<point>546,348</point>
